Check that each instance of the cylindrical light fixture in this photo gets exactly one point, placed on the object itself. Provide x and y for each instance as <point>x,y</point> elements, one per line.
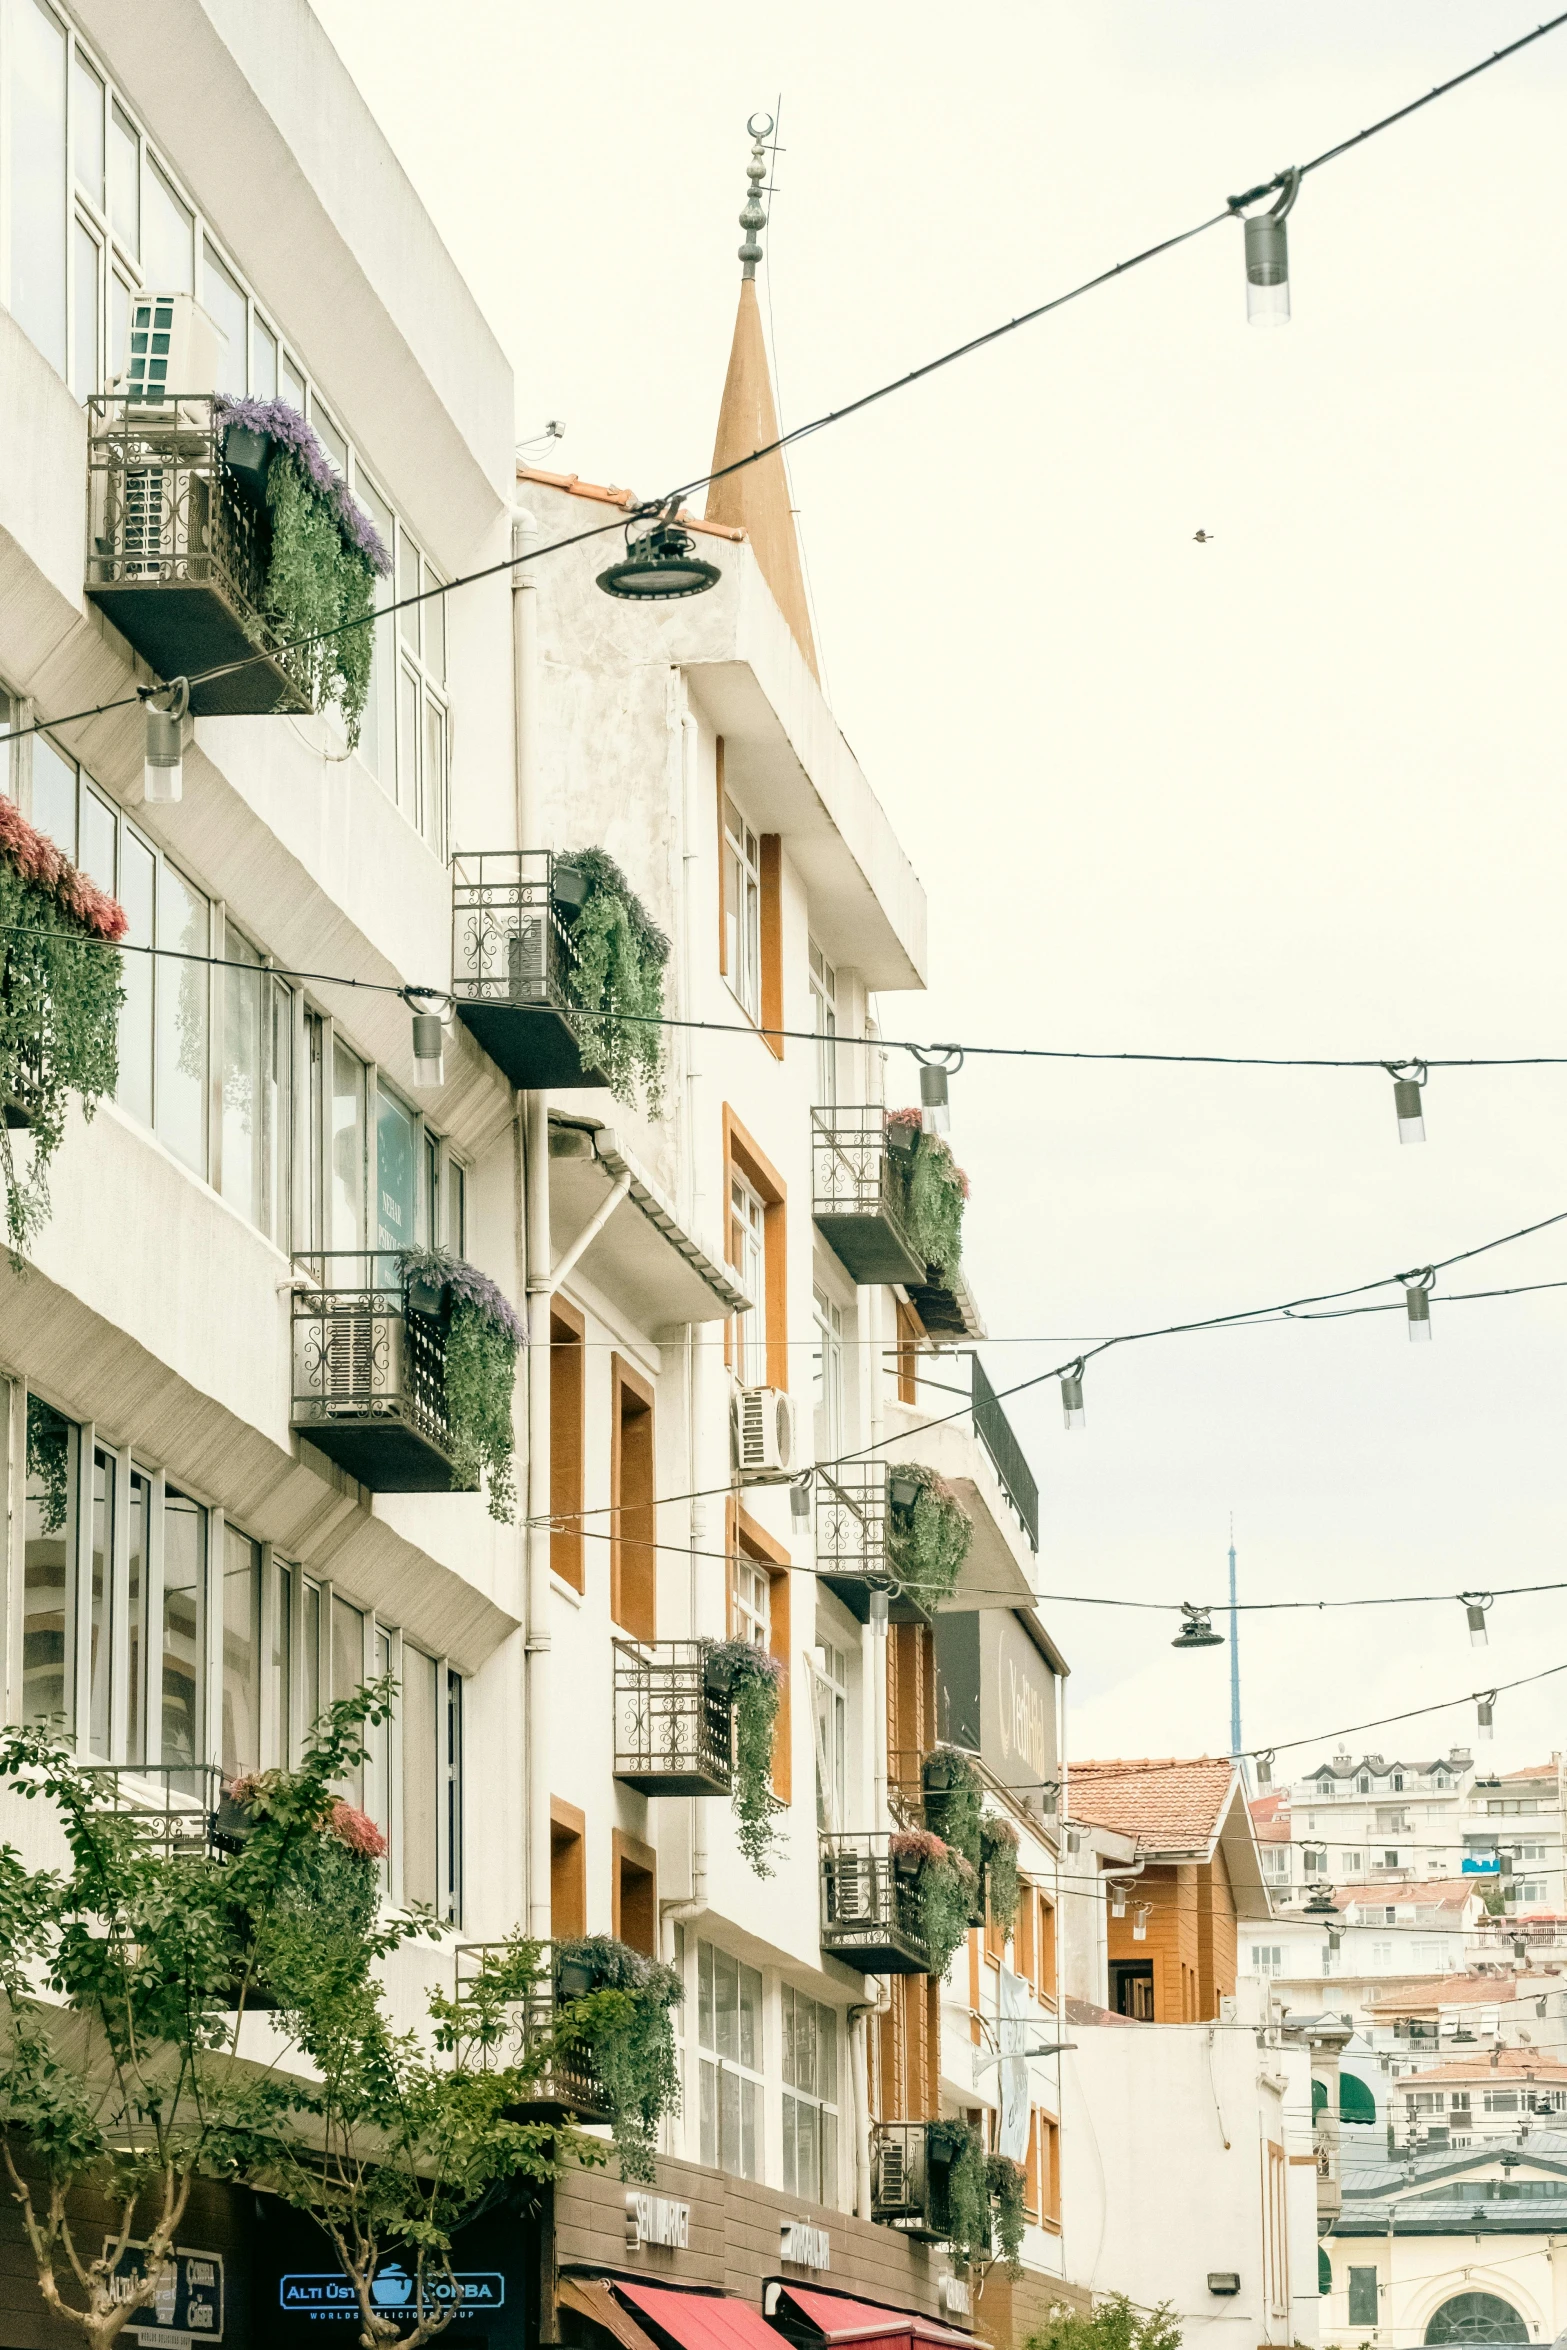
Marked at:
<point>1050,1801</point>
<point>1140,1921</point>
<point>1072,1395</point>
<point>163,763</point>
<point>429,1049</point>
<point>1335,1938</point>
<point>1264,1771</point>
<point>1474,1604</point>
<point>1504,1860</point>
<point>1408,1104</point>
<point>800,1499</point>
<point>1118,1901</point>
<point>1485,1710</point>
<point>935,1109</point>
<point>1268,258</point>
<point>878,1609</point>
<point>1417,1302</point>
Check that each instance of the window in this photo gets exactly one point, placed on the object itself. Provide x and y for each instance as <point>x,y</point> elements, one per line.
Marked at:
<point>184,1628</point>
<point>635,1890</point>
<point>1276,1859</point>
<point>1267,1958</point>
<point>633,1561</point>
<point>1313,1860</point>
<point>348,1669</point>
<point>36,139</point>
<point>750,1595</point>
<point>241,1749</point>
<point>1034,1943</point>
<point>1363,1784</point>
<point>568,1872</point>
<point>824,1019</point>
<point>759,1613</point>
<point>422,1775</point>
<point>810,2100</point>
<point>1500,2101</point>
<point>1362,2296</point>
<point>1396,1782</point>
<point>748,1255</point>
<point>742,909</point>
<point>566,1430</point>
<point>729,2073</point>
<point>757,1343</point>
<point>830,1690</point>
<point>1352,1862</point>
<point>258,1090</point>
<point>1391,1823</point>
<point>396,1173</point>
<point>346,1207</point>
<point>828,1361</point>
<point>1042,2169</point>
<point>49,1547</point>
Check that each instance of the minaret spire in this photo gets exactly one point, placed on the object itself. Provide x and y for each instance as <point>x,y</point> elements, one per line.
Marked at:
<point>756,498</point>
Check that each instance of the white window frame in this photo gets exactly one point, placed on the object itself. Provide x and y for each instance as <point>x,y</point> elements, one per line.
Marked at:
<point>751,1602</point>
<point>828,1364</point>
<point>742,883</point>
<point>748,1221</point>
<point>712,2065</point>
<point>830,1717</point>
<point>827,2109</point>
<point>824,1020</point>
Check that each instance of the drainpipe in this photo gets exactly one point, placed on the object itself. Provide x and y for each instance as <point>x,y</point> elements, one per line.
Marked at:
<point>533,1110</point>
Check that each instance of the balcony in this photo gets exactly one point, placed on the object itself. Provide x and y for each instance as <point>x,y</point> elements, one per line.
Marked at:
<point>909,2182</point>
<point>369,1386</point>
<point>994,1431</point>
<point>857,1197</point>
<point>513,963</point>
<point>672,1723</point>
<point>177,555</point>
<point>567,2087</point>
<point>851,1541</point>
<point>870,1907</point>
<point>181,1807</point>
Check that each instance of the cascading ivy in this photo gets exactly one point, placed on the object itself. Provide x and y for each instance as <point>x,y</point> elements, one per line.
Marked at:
<point>623,2027</point>
<point>998,1851</point>
<point>482,1339</point>
<point>946,1888</point>
<point>754,1681</point>
<point>928,1536</point>
<point>1007,2182</point>
<point>930,1192</point>
<point>60,997</point>
<point>616,979</point>
<point>326,557</point>
<point>959,2146</point>
<point>48,1462</point>
<point>953,1792</point>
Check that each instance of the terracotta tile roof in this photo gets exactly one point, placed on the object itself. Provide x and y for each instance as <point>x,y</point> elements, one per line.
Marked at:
<point>1168,1805</point>
<point>1416,1892</point>
<point>1511,2064</point>
<point>610,496</point>
<point>1427,1991</point>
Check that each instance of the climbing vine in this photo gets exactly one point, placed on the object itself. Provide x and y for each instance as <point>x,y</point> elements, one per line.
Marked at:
<point>931,1192</point>
<point>945,1889</point>
<point>754,1681</point>
<point>952,1789</point>
<point>622,2025</point>
<point>615,977</point>
<point>1003,1889</point>
<point>482,1339</point>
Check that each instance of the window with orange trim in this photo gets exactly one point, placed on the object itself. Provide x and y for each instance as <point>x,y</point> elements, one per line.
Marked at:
<point>566,1432</point>
<point>633,1560</point>
<point>910,1333</point>
<point>759,1612</point>
<point>757,1344</point>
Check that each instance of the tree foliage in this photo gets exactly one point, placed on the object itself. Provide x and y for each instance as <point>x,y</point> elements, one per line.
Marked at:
<point>1114,2324</point>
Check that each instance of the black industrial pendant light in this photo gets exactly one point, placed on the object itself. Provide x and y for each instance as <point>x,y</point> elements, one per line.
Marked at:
<point>661,564</point>
<point>1197,1631</point>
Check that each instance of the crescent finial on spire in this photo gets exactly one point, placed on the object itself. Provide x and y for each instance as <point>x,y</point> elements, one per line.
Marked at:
<point>753,219</point>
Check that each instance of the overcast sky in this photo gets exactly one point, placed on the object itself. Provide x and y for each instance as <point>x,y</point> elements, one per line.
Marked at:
<point>1298,791</point>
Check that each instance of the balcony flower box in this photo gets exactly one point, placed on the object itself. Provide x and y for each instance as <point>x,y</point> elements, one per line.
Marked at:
<point>899,1528</point>
<point>871,1909</point>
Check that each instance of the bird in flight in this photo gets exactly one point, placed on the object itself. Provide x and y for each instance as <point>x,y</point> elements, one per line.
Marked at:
<point>1204,538</point>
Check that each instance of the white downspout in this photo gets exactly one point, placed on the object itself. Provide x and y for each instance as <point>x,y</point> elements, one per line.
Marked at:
<point>534,1111</point>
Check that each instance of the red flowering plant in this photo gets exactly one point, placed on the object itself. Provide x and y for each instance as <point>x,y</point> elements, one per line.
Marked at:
<point>60,998</point>
<point>945,1891</point>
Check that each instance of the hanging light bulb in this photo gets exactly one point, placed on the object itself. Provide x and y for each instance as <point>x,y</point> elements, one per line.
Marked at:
<point>800,1499</point>
<point>936,1066</point>
<point>1485,1708</point>
<point>1268,260</point>
<point>1474,1605</point>
<point>163,765</point>
<point>429,1036</point>
<point>1072,1395</point>
<point>878,1609</point>
<point>1140,1921</point>
<point>1335,1938</point>
<point>1050,1801</point>
<point>1504,1860</point>
<point>1197,1631</point>
<point>1074,1842</point>
<point>1521,1946</point>
<point>1417,1302</point>
<point>1408,1078</point>
<point>1117,1900</point>
<point>1320,1905</point>
<point>660,563</point>
<point>1264,1771</point>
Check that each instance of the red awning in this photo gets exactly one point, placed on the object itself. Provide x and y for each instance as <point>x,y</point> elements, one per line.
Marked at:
<point>701,2321</point>
<point>865,2323</point>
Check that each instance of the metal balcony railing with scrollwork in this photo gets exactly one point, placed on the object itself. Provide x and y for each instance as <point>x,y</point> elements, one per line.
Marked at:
<point>369,1361</point>
<point>871,1906</point>
<point>177,554</point>
<point>673,1731</point>
<point>512,963</point>
<point>181,1808</point>
<point>856,1196</point>
<point>852,1556</point>
<point>566,2086</point>
<point>994,1431</point>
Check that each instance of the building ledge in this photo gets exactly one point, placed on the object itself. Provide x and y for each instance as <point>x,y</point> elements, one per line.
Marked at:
<point>644,1257</point>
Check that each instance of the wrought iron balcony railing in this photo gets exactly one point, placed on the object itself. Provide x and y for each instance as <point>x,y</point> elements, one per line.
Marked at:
<point>909,2181</point>
<point>177,554</point>
<point>369,1358</point>
<point>566,2087</point>
<point>181,1808</point>
<point>852,1557</point>
<point>994,1431</point>
<point>673,1731</point>
<point>512,961</point>
<point>857,1197</point>
<point>871,1906</point>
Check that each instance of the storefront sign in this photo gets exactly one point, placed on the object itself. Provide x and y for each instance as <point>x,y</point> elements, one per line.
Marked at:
<point>954,2297</point>
<point>392,2290</point>
<point>299,2287</point>
<point>804,2245</point>
<point>181,2306</point>
<point>997,1695</point>
<point>657,2219</point>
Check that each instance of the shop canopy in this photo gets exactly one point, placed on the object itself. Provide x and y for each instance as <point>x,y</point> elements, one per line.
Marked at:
<point>698,2321</point>
<point>830,2318</point>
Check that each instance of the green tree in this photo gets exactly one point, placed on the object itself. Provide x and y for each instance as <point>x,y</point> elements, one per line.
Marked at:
<point>1114,2324</point>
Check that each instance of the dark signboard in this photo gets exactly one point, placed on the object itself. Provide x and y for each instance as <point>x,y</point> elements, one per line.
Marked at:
<point>996,1695</point>
<point>301,2289</point>
<point>181,2305</point>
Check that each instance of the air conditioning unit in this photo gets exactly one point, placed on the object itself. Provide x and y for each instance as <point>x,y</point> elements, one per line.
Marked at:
<point>173,346</point>
<point>349,1364</point>
<point>766,1436</point>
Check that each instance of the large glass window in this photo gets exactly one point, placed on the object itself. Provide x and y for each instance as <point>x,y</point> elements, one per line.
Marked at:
<point>258,1054</point>
<point>454,1798</point>
<point>136,1623</point>
<point>138,867</point>
<point>348,1151</point>
<point>830,1675</point>
<point>87,149</point>
<point>742,888</point>
<point>748,1255</point>
<point>422,1776</point>
<point>169,228</point>
<point>729,2064</point>
<point>241,1653</point>
<point>824,1019</point>
<point>181,993</point>
<point>396,1173</point>
<point>829,1376</point>
<point>184,1592</point>
<point>49,1548</point>
<point>810,2104</point>
<point>38,190</point>
<point>223,299</point>
<point>750,1602</point>
<point>100,1634</point>
<point>348,1673</point>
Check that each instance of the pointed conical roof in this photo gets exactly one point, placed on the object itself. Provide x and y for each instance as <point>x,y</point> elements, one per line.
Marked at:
<point>756,500</point>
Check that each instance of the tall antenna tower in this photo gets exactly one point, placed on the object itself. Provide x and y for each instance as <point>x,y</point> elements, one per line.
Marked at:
<point>1235,1657</point>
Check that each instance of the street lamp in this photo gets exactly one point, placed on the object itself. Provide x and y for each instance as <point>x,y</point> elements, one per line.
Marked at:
<point>1268,259</point>
<point>660,565</point>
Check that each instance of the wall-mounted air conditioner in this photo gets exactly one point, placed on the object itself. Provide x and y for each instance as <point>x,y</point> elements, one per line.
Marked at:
<point>172,346</point>
<point>765,1432</point>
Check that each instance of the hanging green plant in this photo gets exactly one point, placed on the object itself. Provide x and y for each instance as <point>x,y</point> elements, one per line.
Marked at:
<point>754,1681</point>
<point>48,1462</point>
<point>928,1532</point>
<point>615,976</point>
<point>326,558</point>
<point>1007,2182</point>
<point>1003,1887</point>
<point>953,1791</point>
<point>931,1192</point>
<point>482,1338</point>
<point>622,2026</point>
<point>60,998</point>
<point>958,2147</point>
<point>946,1889</point>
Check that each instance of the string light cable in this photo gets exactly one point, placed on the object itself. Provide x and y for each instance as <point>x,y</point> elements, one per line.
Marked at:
<point>669,503</point>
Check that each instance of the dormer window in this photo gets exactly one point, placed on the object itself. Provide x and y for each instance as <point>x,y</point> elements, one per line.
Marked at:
<point>1363,1784</point>
<point>1396,1782</point>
